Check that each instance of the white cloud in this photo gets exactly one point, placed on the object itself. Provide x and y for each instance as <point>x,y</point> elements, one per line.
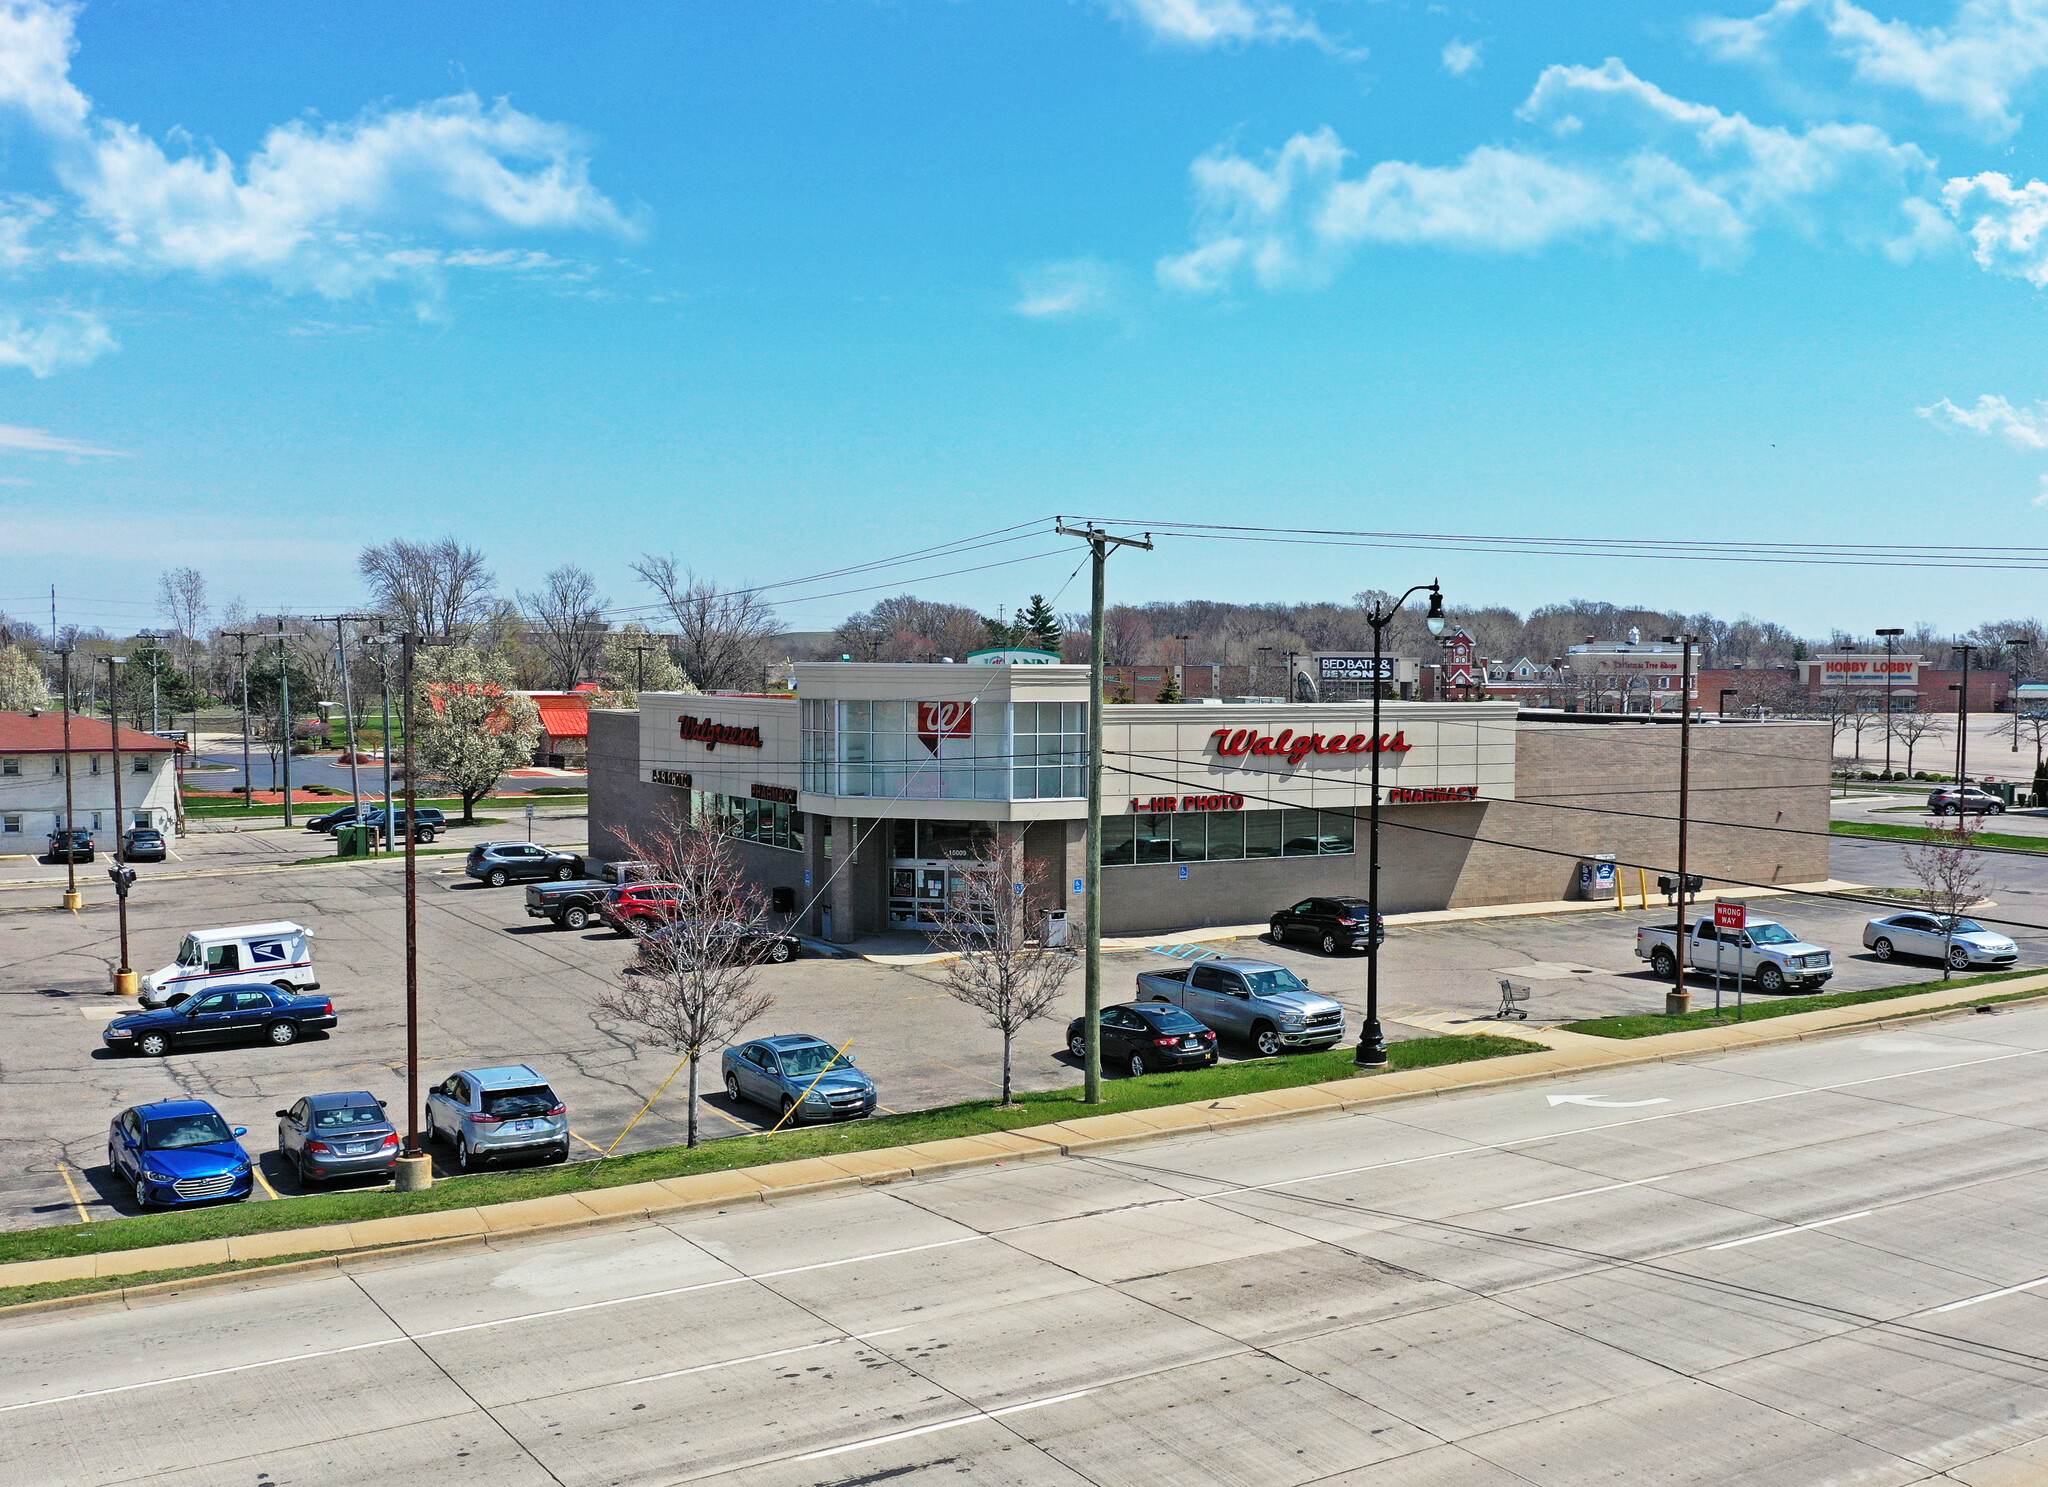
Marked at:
<point>333,209</point>
<point>1064,290</point>
<point>1626,162</point>
<point>54,343</point>
<point>2042,498</point>
<point>1975,64</point>
<point>1994,415</point>
<point>1206,23</point>
<point>41,441</point>
<point>1461,56</point>
<point>2004,221</point>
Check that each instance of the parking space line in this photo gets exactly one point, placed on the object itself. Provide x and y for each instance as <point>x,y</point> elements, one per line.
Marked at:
<point>76,1201</point>
<point>256,1171</point>
<point>588,1142</point>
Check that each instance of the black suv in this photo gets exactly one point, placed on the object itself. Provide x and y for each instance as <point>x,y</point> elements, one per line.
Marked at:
<point>74,846</point>
<point>1332,923</point>
<point>427,822</point>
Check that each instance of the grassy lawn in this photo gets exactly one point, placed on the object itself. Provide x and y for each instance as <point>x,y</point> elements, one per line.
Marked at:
<point>1755,1008</point>
<point>738,1151</point>
<point>222,809</point>
<point>1887,830</point>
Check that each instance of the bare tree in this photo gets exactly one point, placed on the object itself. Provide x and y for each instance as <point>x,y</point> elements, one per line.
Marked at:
<point>568,624</point>
<point>181,599</point>
<point>691,983</point>
<point>429,588</point>
<point>1000,969</point>
<point>1951,872</point>
<point>2028,728</point>
<point>723,635</point>
<point>1908,729</point>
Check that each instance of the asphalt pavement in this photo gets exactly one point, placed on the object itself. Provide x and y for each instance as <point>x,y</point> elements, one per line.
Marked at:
<point>498,987</point>
<point>1816,1263</point>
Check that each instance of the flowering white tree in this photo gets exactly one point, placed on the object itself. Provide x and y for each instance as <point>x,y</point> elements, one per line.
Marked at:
<point>469,726</point>
<point>22,688</point>
<point>1951,872</point>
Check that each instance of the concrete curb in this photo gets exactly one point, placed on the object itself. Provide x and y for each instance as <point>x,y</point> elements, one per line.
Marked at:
<point>635,1202</point>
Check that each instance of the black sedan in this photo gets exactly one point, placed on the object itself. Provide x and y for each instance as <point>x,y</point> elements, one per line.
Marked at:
<point>144,844</point>
<point>341,1135</point>
<point>225,1014</point>
<point>731,943</point>
<point>1145,1036</point>
<point>1333,924</point>
<point>333,820</point>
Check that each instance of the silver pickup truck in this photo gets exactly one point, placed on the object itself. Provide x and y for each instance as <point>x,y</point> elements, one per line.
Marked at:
<point>1267,1005</point>
<point>1766,953</point>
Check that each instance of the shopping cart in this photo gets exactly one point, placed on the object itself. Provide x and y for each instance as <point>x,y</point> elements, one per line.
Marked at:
<point>1510,996</point>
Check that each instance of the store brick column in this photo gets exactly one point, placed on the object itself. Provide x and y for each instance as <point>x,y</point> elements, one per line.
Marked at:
<point>839,892</point>
<point>1076,867</point>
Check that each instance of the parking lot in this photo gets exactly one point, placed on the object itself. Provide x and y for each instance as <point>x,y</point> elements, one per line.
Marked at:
<point>497,987</point>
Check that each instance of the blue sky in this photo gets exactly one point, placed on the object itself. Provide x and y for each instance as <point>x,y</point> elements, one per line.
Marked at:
<point>780,287</point>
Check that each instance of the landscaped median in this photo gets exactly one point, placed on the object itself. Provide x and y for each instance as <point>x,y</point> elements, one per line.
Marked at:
<point>37,1264</point>
<point>115,1255</point>
<point>1891,832</point>
<point>1755,1008</point>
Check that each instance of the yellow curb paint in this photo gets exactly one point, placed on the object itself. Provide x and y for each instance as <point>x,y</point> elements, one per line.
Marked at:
<point>76,1201</point>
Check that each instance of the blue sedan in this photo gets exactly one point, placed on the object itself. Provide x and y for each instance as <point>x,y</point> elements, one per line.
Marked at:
<point>799,1077</point>
<point>177,1152</point>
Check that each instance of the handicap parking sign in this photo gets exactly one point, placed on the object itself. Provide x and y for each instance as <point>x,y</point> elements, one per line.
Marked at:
<point>1183,873</point>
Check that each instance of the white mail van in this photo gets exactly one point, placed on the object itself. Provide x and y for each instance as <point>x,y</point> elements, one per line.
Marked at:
<point>280,953</point>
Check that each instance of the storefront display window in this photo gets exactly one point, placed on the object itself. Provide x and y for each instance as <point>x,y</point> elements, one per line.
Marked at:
<point>764,821</point>
<point>1021,751</point>
<point>1138,840</point>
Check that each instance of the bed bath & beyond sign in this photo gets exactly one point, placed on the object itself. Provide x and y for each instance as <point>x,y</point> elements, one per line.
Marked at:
<point>1295,747</point>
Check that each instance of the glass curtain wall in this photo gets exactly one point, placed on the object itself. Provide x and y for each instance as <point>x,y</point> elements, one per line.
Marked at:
<point>1225,836</point>
<point>1020,751</point>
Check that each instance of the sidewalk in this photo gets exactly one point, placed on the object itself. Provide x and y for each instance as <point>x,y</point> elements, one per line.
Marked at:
<point>915,949</point>
<point>1560,1053</point>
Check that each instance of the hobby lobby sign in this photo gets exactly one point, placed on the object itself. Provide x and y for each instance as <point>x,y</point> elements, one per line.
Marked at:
<point>1295,747</point>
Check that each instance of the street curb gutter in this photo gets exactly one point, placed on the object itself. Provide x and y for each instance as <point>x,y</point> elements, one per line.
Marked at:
<point>558,1214</point>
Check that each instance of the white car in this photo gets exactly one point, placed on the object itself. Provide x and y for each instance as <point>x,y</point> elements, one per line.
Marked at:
<point>1929,936</point>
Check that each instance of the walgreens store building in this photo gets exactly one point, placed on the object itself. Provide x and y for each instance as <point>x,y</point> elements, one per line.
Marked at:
<point>859,800</point>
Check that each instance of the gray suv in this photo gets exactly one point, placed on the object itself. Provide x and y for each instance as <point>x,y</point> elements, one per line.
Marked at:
<point>502,1112</point>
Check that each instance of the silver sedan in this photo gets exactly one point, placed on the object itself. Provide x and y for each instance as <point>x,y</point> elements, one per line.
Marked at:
<point>1931,937</point>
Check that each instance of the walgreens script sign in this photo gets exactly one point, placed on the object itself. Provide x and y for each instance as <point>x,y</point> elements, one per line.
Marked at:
<point>937,720</point>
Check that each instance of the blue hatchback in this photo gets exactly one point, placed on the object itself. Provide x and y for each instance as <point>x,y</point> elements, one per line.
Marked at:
<point>176,1152</point>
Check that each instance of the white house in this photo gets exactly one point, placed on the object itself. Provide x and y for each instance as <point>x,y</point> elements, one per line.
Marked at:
<point>32,781</point>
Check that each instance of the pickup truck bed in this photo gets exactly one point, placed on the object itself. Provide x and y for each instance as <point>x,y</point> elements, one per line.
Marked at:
<point>570,905</point>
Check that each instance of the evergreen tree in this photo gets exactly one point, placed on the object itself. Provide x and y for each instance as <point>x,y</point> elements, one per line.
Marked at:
<point>1041,626</point>
<point>1005,635</point>
<point>1171,691</point>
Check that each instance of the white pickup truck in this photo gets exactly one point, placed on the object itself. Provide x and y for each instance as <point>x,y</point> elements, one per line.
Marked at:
<point>1766,954</point>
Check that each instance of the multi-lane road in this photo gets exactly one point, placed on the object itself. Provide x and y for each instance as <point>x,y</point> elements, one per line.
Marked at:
<point>1825,1262</point>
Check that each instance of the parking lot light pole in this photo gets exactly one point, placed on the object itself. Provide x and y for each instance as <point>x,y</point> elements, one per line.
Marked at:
<point>1372,1042</point>
<point>1684,802</point>
<point>125,980</point>
<point>1963,724</point>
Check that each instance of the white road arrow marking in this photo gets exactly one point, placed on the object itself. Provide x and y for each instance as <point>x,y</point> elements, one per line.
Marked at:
<point>1599,1102</point>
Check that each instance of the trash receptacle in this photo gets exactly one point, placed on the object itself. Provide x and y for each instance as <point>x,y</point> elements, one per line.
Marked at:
<point>2003,789</point>
<point>353,841</point>
<point>1597,878</point>
<point>1053,935</point>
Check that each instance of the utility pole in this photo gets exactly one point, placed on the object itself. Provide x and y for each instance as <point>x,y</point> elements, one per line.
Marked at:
<point>640,666</point>
<point>1372,1042</point>
<point>72,900</point>
<point>416,1167</point>
<point>1889,637</point>
<point>1684,800</point>
<point>348,708</point>
<point>242,655</point>
<point>383,643</point>
<point>1100,545</point>
<point>122,874</point>
<point>284,711</point>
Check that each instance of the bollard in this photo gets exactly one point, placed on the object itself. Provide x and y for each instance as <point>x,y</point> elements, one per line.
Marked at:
<point>128,983</point>
<point>1677,1003</point>
<point>73,900</point>
<point>413,1174</point>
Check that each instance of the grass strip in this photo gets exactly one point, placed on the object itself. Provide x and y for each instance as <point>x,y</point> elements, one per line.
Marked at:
<point>969,1119</point>
<point>1888,831</point>
<point>227,808</point>
<point>51,1290</point>
<point>1756,1008</point>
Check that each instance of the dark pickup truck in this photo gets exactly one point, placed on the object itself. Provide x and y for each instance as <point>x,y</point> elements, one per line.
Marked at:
<point>572,905</point>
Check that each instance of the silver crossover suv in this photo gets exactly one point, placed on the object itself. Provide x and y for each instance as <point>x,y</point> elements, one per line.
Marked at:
<point>502,1112</point>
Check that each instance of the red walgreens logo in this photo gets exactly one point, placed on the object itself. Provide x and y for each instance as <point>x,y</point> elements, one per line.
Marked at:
<point>711,735</point>
<point>1295,747</point>
<point>937,720</point>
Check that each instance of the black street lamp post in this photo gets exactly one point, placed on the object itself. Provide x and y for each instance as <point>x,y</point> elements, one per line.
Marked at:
<point>1889,637</point>
<point>1372,1043</point>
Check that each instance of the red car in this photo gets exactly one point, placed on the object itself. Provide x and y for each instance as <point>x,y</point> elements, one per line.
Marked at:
<point>645,905</point>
